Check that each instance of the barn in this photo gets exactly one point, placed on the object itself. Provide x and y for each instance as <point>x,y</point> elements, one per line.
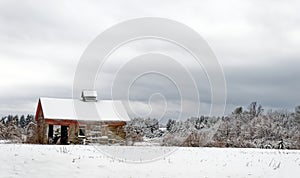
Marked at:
<point>78,121</point>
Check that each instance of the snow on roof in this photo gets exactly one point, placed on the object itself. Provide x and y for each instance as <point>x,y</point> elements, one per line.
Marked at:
<point>72,109</point>
<point>91,93</point>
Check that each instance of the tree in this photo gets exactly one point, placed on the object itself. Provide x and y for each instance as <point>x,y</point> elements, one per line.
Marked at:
<point>297,113</point>
<point>238,110</point>
<point>259,110</point>
<point>297,110</point>
<point>3,120</point>
<point>255,110</point>
<point>31,133</point>
<point>29,118</point>
<point>16,120</point>
<point>9,119</point>
<point>22,121</point>
<point>170,125</point>
<point>10,131</point>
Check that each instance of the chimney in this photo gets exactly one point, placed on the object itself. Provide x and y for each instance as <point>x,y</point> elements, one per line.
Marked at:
<point>89,95</point>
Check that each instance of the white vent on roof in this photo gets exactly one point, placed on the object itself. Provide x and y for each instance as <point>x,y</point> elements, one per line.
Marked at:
<point>89,95</point>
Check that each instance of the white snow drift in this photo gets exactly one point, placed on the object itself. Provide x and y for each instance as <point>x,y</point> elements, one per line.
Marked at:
<point>19,160</point>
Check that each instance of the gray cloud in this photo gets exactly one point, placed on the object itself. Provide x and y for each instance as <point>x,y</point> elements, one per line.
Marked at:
<point>274,85</point>
<point>257,43</point>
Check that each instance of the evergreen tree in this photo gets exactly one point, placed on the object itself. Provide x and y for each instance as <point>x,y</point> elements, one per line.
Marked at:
<point>22,121</point>
<point>29,119</point>
<point>16,120</point>
<point>170,124</point>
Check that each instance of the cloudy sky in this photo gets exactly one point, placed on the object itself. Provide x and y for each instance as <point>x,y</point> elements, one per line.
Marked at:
<point>256,42</point>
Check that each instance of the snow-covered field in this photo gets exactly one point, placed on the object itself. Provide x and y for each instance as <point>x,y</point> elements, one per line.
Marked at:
<point>19,160</point>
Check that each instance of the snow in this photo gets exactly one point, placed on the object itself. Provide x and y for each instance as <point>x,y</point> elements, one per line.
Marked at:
<point>72,109</point>
<point>20,160</point>
<point>4,141</point>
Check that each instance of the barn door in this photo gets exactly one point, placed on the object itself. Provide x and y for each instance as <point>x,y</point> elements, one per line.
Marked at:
<point>64,135</point>
<point>50,133</point>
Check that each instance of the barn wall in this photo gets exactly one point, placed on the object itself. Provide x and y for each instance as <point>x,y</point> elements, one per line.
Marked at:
<point>41,129</point>
<point>73,133</point>
<point>94,130</point>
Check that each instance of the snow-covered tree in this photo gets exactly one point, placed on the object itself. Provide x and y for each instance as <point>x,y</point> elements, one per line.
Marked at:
<point>297,113</point>
<point>22,121</point>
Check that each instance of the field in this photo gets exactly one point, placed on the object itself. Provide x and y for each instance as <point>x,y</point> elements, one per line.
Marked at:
<point>20,160</point>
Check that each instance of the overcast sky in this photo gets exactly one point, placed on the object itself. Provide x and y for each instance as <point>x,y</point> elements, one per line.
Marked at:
<point>257,43</point>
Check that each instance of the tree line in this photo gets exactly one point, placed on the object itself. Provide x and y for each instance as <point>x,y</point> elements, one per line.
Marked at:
<point>12,127</point>
<point>247,128</point>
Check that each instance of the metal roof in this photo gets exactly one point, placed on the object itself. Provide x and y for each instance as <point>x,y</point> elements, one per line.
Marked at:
<point>72,109</point>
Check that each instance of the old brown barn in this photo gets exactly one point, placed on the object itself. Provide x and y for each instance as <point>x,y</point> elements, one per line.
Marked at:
<point>77,121</point>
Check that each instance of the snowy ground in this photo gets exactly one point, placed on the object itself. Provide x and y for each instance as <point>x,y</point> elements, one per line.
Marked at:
<point>17,160</point>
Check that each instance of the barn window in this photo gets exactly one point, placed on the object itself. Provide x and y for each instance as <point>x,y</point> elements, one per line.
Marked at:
<point>81,131</point>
